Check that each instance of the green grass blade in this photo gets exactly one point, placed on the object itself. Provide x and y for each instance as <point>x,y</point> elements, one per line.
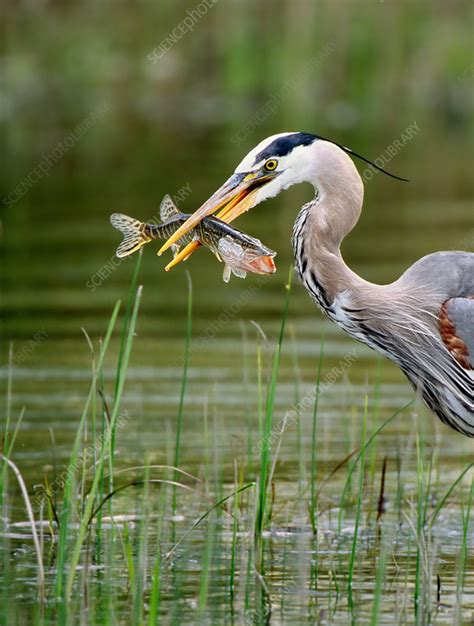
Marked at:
<point>442,502</point>
<point>74,561</point>
<point>184,380</point>
<point>376,432</point>
<point>265,443</point>
<point>68,503</point>
<point>360,496</point>
<point>204,515</point>
<point>314,493</point>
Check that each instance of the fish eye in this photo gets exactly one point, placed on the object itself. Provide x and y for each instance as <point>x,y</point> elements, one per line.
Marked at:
<point>271,165</point>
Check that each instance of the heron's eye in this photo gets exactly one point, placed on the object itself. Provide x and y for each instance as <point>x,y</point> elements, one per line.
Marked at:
<point>271,165</point>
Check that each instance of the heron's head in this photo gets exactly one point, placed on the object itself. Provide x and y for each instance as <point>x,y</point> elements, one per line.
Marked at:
<point>276,163</point>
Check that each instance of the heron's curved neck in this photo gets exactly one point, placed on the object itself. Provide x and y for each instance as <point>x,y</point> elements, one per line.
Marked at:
<point>322,225</point>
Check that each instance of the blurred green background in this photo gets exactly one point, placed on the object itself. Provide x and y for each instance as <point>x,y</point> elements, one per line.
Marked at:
<point>359,72</point>
<point>89,89</point>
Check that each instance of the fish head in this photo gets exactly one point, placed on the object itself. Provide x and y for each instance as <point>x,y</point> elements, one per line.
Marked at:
<point>256,259</point>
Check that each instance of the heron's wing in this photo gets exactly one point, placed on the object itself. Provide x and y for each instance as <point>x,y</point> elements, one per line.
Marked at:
<point>457,329</point>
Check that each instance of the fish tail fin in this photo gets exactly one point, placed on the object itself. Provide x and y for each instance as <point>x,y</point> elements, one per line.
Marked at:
<point>134,234</point>
<point>168,208</point>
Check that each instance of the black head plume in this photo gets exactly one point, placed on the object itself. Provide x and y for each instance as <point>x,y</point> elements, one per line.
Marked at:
<point>359,156</point>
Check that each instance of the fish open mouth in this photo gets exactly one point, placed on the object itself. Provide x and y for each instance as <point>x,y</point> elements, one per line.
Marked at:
<point>263,265</point>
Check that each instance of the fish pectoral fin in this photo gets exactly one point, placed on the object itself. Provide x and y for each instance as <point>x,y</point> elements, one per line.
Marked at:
<point>175,250</point>
<point>227,274</point>
<point>134,236</point>
<point>238,272</point>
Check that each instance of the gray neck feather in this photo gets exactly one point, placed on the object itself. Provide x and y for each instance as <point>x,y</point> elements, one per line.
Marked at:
<point>323,223</point>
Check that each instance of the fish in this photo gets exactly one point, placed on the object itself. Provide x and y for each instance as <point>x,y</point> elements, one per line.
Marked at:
<point>239,252</point>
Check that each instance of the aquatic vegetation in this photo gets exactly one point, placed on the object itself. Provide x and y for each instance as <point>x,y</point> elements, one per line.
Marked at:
<point>153,518</point>
<point>235,541</point>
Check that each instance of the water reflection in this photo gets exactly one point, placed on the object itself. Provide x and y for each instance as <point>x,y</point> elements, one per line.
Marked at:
<point>360,76</point>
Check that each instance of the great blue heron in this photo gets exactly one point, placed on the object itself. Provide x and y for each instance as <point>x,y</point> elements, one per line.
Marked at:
<point>424,321</point>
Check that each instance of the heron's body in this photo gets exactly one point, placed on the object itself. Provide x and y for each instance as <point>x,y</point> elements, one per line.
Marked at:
<point>407,320</point>
<point>424,321</point>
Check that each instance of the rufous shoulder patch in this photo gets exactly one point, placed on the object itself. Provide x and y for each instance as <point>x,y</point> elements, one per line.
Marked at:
<point>451,340</point>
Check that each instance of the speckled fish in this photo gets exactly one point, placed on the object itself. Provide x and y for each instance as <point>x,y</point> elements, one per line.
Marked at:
<point>239,252</point>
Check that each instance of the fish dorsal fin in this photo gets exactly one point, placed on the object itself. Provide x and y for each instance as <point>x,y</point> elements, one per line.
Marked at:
<point>168,208</point>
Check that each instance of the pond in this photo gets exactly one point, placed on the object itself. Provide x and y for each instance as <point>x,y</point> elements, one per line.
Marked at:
<point>342,533</point>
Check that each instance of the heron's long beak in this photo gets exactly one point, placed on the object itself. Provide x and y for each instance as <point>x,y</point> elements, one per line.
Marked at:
<point>236,196</point>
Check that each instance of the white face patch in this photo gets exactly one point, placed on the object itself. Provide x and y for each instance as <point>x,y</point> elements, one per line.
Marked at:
<point>296,156</point>
<point>293,168</point>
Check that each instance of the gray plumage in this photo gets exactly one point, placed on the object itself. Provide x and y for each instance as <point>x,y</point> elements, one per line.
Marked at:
<point>424,321</point>
<point>402,319</point>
